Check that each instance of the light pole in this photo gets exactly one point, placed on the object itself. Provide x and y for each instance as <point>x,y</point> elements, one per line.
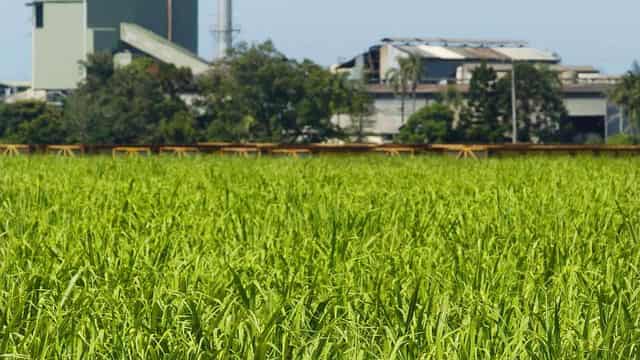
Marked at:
<point>514,108</point>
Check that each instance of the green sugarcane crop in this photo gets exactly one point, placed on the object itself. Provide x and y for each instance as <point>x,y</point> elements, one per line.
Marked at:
<point>321,258</point>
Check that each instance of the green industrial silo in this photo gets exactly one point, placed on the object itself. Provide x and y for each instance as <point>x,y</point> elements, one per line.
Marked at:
<point>65,31</point>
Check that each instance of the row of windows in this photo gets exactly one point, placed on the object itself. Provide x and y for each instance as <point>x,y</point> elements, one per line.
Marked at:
<point>39,15</point>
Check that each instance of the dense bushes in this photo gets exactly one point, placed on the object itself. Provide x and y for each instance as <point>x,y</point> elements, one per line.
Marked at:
<point>259,95</point>
<point>31,122</point>
<point>256,94</point>
<point>431,124</point>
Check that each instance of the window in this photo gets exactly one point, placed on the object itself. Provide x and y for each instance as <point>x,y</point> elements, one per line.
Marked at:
<point>39,15</point>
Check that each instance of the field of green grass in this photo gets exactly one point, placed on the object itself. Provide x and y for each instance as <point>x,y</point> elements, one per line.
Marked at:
<point>342,258</point>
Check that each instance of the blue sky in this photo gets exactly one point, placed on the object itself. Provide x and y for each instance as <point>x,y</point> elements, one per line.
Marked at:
<point>587,32</point>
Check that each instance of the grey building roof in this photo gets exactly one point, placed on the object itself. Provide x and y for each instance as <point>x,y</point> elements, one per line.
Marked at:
<point>594,89</point>
<point>15,84</point>
<point>467,53</point>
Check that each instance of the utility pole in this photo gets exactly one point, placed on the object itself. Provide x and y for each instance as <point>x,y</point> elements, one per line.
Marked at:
<point>606,124</point>
<point>514,106</point>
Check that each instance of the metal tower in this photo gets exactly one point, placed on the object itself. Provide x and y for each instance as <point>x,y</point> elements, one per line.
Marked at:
<point>224,29</point>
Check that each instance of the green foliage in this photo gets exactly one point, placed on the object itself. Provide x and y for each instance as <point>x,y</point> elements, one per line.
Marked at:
<point>542,115</point>
<point>622,139</point>
<point>32,122</point>
<point>136,104</point>
<point>323,258</point>
<point>405,79</point>
<point>456,102</point>
<point>627,95</point>
<point>430,125</point>
<point>358,104</point>
<point>180,129</point>
<point>257,94</point>
<point>483,119</point>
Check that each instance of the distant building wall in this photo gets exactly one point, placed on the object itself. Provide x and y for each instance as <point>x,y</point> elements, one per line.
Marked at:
<point>185,24</point>
<point>65,31</point>
<point>59,46</point>
<point>105,17</point>
<point>386,119</point>
<point>586,106</point>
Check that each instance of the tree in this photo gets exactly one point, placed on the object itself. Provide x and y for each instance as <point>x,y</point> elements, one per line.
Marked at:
<point>627,95</point>
<point>226,114</point>
<point>257,94</point>
<point>31,122</point>
<point>314,108</point>
<point>136,104</point>
<point>398,79</point>
<point>354,100</point>
<point>455,100</point>
<point>431,124</point>
<point>414,70</point>
<point>542,115</point>
<point>481,120</point>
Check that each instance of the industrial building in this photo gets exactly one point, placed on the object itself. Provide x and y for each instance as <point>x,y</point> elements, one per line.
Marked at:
<point>66,31</point>
<point>450,62</point>
<point>11,88</point>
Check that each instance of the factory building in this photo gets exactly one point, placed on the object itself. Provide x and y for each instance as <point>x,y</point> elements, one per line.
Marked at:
<point>10,88</point>
<point>66,31</point>
<point>450,63</point>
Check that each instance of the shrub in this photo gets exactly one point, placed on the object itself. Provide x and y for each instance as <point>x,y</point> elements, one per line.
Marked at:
<point>431,124</point>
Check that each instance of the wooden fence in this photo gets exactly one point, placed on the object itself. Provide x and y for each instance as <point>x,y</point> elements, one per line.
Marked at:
<point>476,151</point>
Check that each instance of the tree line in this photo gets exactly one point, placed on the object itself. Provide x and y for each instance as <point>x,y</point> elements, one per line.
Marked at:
<point>627,95</point>
<point>257,94</point>
<point>484,114</point>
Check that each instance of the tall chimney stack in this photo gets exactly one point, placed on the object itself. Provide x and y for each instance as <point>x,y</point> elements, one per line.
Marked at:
<point>225,27</point>
<point>170,20</point>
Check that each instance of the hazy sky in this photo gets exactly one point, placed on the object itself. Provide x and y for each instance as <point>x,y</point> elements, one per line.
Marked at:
<point>605,34</point>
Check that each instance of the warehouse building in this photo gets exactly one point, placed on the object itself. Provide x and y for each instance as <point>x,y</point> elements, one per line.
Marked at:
<point>10,88</point>
<point>66,31</point>
<point>450,63</point>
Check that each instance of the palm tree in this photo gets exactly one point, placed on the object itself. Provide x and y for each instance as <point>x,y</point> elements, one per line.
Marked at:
<point>408,75</point>
<point>627,95</point>
<point>412,67</point>
<point>396,79</point>
<point>455,101</point>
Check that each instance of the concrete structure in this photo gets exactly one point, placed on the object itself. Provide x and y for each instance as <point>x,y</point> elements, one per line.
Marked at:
<point>450,63</point>
<point>141,39</point>
<point>8,89</point>
<point>224,29</point>
<point>66,31</point>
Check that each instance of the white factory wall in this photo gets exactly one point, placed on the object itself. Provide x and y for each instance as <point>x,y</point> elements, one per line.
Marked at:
<point>59,46</point>
<point>586,107</point>
<point>387,120</point>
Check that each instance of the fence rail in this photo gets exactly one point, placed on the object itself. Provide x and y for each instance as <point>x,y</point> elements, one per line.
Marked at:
<point>474,151</point>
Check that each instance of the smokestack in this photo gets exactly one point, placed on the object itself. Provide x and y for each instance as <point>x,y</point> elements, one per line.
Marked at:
<point>170,20</point>
<point>225,27</point>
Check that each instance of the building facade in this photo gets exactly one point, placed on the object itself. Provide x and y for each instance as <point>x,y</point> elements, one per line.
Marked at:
<point>450,63</point>
<point>66,31</point>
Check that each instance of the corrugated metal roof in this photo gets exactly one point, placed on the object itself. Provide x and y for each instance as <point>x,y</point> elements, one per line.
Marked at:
<point>527,54</point>
<point>414,51</point>
<point>478,53</point>
<point>15,84</point>
<point>440,52</point>
<point>471,53</point>
<point>593,89</point>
